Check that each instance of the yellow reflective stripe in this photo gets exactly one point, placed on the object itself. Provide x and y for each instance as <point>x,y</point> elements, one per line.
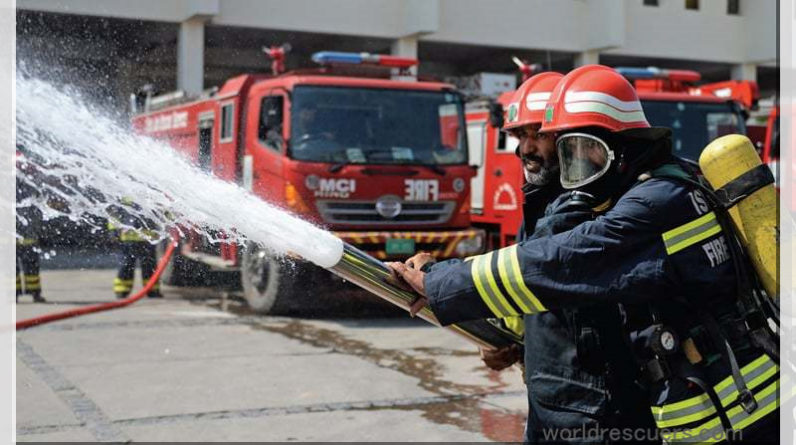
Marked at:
<point>485,296</point>
<point>691,233</point>
<point>487,269</point>
<point>738,418</point>
<point>26,241</point>
<point>749,367</point>
<point>754,383</point>
<point>689,225</point>
<point>657,410</point>
<point>768,402</point>
<point>520,281</point>
<point>33,286</point>
<point>130,236</point>
<point>120,285</point>
<point>515,325</point>
<point>660,412</point>
<point>709,432</point>
<point>504,262</point>
<point>688,418</point>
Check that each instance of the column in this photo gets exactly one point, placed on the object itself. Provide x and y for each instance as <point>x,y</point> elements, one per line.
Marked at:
<point>588,57</point>
<point>190,56</point>
<point>406,47</point>
<point>744,71</point>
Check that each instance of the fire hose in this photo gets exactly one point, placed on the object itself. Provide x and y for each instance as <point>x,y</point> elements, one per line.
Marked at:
<point>24,324</point>
<point>355,266</point>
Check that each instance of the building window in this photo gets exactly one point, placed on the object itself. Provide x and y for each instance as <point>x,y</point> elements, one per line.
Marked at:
<point>226,122</point>
<point>650,2</point>
<point>692,4</point>
<point>734,7</point>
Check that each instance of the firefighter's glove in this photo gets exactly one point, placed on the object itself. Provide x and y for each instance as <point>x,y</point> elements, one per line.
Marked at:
<point>500,359</point>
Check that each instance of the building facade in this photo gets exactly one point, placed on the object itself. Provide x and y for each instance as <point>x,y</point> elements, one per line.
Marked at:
<point>194,44</point>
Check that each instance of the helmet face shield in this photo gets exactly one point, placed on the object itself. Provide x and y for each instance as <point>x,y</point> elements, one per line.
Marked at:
<point>583,159</point>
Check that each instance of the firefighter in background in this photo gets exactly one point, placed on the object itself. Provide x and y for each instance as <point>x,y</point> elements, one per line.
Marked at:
<point>537,151</point>
<point>135,235</point>
<point>28,230</point>
<point>658,249</point>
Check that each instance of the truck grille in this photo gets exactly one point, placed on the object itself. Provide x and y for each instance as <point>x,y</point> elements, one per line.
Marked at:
<point>364,212</point>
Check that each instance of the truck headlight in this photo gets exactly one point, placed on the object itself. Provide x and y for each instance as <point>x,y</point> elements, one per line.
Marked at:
<point>470,246</point>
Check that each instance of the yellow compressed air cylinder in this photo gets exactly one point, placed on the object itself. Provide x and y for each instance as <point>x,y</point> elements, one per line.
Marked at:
<point>755,216</point>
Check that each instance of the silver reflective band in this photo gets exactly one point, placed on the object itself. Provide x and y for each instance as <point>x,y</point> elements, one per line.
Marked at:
<point>583,159</point>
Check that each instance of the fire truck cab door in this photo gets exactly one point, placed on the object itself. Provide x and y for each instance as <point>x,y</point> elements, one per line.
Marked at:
<point>266,138</point>
<point>205,140</point>
<point>476,140</point>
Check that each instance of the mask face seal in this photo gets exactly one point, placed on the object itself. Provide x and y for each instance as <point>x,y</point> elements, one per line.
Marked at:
<point>583,158</point>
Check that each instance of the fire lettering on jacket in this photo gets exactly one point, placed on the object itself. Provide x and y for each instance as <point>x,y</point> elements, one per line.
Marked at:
<point>717,251</point>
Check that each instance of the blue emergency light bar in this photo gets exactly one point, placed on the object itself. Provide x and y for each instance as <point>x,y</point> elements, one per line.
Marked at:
<point>639,73</point>
<point>657,73</point>
<point>337,57</point>
<point>327,57</point>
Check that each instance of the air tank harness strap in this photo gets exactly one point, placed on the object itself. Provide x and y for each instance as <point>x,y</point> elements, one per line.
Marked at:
<point>749,182</point>
<point>745,397</point>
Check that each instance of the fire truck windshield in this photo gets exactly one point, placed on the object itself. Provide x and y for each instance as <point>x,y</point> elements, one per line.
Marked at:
<point>693,124</point>
<point>377,126</point>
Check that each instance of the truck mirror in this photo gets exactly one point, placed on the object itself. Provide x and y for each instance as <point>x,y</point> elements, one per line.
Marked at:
<point>496,115</point>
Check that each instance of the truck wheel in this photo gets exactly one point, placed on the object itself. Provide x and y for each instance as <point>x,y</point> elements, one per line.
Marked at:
<point>180,271</point>
<point>267,282</point>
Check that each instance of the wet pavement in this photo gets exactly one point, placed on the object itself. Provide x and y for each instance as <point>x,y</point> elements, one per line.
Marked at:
<point>181,369</point>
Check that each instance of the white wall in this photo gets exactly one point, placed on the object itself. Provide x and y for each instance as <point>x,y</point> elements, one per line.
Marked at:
<point>671,31</point>
<point>623,27</point>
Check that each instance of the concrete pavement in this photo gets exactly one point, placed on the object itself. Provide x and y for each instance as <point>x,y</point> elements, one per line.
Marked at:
<point>180,369</point>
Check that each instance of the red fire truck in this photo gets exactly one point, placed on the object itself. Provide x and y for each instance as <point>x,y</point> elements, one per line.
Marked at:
<point>497,197</point>
<point>696,115</point>
<point>766,138</point>
<point>378,157</point>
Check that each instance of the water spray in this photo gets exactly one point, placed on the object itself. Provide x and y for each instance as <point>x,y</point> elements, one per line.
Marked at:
<point>91,162</point>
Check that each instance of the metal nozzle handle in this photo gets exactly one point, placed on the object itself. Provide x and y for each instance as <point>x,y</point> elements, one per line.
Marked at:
<point>374,276</point>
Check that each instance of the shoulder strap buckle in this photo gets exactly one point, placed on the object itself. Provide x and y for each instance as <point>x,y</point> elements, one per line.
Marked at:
<point>747,400</point>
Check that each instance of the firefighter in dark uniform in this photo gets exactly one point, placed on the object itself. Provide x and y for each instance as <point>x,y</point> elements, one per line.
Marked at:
<point>657,249</point>
<point>522,120</point>
<point>136,235</point>
<point>28,229</point>
<point>549,209</point>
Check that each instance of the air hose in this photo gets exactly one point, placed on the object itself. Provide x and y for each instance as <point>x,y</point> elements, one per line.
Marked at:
<point>24,324</point>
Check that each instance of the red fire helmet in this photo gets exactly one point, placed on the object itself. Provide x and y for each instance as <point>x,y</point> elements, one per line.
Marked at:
<point>593,96</point>
<point>528,102</point>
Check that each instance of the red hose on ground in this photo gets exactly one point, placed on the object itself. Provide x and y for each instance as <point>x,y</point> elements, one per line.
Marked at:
<point>24,324</point>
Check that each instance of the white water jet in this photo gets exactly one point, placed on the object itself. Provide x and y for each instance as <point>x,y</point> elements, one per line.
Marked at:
<point>79,148</point>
